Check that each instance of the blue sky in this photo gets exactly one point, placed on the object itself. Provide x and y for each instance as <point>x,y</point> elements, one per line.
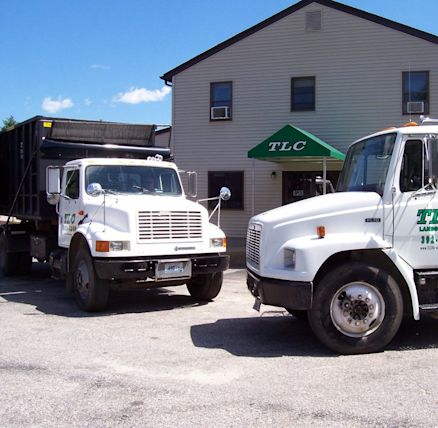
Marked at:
<point>102,59</point>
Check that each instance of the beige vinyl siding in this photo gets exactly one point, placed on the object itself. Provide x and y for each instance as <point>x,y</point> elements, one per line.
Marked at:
<point>358,69</point>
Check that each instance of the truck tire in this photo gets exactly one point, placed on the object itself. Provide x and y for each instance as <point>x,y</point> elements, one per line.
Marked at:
<point>91,293</point>
<point>357,309</point>
<point>205,287</point>
<point>9,262</point>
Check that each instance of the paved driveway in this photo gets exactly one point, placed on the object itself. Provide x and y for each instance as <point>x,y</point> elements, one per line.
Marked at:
<point>156,358</point>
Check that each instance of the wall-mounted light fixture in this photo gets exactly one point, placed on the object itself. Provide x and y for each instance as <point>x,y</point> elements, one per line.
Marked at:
<point>274,175</point>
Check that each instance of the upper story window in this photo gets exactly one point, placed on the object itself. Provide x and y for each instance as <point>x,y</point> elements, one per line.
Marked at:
<point>415,92</point>
<point>303,94</point>
<point>221,100</point>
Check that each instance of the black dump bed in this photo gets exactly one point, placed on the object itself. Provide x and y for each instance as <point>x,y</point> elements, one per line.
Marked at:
<point>31,146</point>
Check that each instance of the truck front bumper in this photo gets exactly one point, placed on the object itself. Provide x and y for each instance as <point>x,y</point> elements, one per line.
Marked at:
<point>277,292</point>
<point>144,268</point>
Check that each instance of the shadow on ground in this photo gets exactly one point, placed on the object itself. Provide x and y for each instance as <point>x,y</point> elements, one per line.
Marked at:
<point>49,296</point>
<point>275,336</point>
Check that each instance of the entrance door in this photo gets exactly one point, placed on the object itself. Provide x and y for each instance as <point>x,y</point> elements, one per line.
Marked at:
<point>298,185</point>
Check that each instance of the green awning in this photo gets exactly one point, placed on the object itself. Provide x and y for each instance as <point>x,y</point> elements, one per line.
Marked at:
<point>293,143</point>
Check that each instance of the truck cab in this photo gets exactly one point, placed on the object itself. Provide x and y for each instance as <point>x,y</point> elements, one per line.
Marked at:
<point>357,261</point>
<point>127,223</point>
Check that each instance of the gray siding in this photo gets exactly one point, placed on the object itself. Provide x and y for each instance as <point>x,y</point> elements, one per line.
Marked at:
<point>358,67</point>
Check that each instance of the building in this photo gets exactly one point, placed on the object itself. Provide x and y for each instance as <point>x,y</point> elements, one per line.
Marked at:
<point>330,70</point>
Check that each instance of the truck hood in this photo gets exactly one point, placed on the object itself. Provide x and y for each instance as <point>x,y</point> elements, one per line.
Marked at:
<point>352,220</point>
<point>151,203</point>
<point>121,210</point>
<point>338,212</point>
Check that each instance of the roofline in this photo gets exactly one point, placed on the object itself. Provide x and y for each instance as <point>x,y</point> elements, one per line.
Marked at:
<point>167,77</point>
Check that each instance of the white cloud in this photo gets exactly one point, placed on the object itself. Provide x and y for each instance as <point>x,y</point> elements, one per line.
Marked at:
<point>142,95</point>
<point>100,67</point>
<point>88,101</point>
<point>55,106</point>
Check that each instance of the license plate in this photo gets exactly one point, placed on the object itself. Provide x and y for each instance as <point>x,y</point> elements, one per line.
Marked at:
<point>173,269</point>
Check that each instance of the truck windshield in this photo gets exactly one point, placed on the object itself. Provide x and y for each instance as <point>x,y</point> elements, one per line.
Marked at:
<point>366,165</point>
<point>134,179</point>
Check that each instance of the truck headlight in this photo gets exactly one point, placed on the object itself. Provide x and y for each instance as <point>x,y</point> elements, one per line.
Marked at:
<point>116,245</point>
<point>218,242</point>
<point>107,246</point>
<point>290,258</point>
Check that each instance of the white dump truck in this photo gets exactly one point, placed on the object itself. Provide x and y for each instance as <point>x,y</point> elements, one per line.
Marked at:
<point>357,261</point>
<point>98,202</point>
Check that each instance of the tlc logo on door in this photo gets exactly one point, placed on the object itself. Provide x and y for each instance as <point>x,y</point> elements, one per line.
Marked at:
<point>286,146</point>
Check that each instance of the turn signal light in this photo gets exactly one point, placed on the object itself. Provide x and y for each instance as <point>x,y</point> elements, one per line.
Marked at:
<point>102,246</point>
<point>320,231</point>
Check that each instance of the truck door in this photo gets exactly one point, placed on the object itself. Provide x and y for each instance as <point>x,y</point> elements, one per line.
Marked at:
<point>69,206</point>
<point>415,205</point>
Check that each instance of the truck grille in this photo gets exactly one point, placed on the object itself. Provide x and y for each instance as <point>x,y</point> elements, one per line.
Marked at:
<point>253,238</point>
<point>169,225</point>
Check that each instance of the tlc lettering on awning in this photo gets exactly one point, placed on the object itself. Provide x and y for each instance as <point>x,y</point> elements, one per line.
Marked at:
<point>293,142</point>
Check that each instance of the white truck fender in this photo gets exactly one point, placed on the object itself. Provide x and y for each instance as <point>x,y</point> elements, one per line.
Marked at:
<point>307,265</point>
<point>408,275</point>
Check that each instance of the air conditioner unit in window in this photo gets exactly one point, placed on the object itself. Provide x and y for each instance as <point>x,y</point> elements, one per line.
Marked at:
<point>218,113</point>
<point>416,107</point>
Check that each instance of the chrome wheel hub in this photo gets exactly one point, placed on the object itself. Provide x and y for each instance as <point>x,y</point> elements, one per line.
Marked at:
<point>357,309</point>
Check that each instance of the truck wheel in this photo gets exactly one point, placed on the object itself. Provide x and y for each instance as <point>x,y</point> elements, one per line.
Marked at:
<point>91,292</point>
<point>356,309</point>
<point>9,262</point>
<point>205,287</point>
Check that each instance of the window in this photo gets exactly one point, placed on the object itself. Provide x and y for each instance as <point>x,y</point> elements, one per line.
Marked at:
<point>420,165</point>
<point>416,92</point>
<point>366,165</point>
<point>221,100</point>
<point>411,175</point>
<point>134,179</point>
<point>231,179</point>
<point>303,94</point>
<point>72,184</point>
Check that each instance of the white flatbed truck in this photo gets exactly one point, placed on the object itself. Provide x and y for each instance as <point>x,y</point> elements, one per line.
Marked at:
<point>357,261</point>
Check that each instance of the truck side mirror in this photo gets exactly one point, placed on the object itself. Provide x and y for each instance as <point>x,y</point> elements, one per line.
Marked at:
<point>192,190</point>
<point>94,189</point>
<point>53,184</point>
<point>225,193</point>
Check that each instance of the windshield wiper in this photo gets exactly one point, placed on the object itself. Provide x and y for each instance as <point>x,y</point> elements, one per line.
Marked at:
<point>143,189</point>
<point>111,192</point>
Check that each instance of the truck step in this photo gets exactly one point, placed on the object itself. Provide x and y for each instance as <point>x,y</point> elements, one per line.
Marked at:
<point>429,307</point>
<point>427,273</point>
